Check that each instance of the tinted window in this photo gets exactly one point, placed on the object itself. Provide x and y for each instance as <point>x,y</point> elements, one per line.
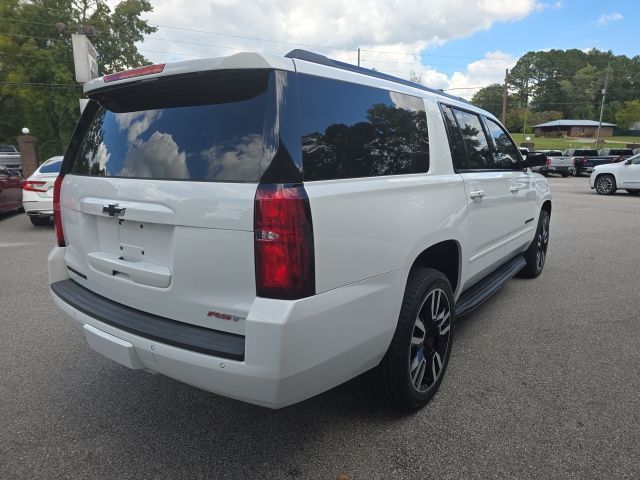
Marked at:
<point>206,128</point>
<point>479,155</point>
<point>350,130</point>
<point>53,167</point>
<point>7,149</point>
<point>505,152</point>
<point>456,142</point>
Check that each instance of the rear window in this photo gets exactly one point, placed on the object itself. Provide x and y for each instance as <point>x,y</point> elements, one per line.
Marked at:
<point>53,167</point>
<point>7,149</point>
<point>208,127</point>
<point>350,130</point>
<point>620,151</point>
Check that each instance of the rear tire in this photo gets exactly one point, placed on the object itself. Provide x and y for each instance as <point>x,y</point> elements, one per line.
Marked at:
<point>575,172</point>
<point>40,221</point>
<point>564,174</point>
<point>606,184</point>
<point>634,192</point>
<point>411,371</point>
<point>536,254</point>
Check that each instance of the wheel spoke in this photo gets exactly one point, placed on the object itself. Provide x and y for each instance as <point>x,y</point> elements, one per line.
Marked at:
<point>436,365</point>
<point>445,324</point>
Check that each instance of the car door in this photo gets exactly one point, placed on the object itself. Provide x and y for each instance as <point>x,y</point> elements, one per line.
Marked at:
<point>488,199</point>
<point>520,216</point>
<point>630,173</point>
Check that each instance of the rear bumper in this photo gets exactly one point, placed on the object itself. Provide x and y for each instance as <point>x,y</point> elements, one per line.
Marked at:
<point>292,349</point>
<point>38,207</point>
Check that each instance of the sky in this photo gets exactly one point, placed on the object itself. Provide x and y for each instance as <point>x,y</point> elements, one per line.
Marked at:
<point>456,45</point>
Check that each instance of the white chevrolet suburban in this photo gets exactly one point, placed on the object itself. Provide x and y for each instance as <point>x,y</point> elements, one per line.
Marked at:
<point>267,228</point>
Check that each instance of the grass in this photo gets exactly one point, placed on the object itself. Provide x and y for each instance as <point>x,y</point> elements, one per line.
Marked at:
<point>547,143</point>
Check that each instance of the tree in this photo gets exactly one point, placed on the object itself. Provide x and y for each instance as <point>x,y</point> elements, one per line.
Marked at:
<point>37,81</point>
<point>489,98</point>
<point>628,114</point>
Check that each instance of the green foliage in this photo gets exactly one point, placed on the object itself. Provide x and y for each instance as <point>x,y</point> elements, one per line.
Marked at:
<point>35,48</point>
<point>628,114</point>
<point>490,99</point>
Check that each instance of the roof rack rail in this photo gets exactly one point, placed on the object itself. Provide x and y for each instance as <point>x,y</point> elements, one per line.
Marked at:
<point>312,57</point>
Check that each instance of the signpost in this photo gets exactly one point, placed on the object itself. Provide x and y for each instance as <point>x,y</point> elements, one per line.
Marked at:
<point>85,58</point>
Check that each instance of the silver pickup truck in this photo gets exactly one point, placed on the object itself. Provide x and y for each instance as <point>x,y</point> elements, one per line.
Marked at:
<point>10,157</point>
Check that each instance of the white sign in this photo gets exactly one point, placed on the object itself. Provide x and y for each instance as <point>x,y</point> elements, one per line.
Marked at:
<point>85,58</point>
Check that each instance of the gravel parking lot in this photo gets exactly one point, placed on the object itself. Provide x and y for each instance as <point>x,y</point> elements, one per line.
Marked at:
<point>544,382</point>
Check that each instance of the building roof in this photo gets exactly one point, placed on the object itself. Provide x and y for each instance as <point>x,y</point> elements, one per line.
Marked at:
<point>574,123</point>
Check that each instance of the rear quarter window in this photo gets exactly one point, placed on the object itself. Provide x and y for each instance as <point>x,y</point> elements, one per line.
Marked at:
<point>53,167</point>
<point>350,130</point>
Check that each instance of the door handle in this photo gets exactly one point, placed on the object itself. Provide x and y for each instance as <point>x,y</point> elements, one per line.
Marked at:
<point>477,194</point>
<point>515,189</point>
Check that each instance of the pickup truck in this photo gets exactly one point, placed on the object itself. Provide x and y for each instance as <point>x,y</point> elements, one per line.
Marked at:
<point>10,157</point>
<point>623,153</point>
<point>584,160</point>
<point>555,163</point>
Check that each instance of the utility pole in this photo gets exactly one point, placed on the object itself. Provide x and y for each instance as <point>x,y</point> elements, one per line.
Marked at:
<point>504,97</point>
<point>604,94</point>
<point>358,57</point>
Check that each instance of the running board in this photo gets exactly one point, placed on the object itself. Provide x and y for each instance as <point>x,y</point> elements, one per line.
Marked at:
<point>489,285</point>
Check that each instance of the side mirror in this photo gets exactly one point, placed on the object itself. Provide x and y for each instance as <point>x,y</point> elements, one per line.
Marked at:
<point>535,160</point>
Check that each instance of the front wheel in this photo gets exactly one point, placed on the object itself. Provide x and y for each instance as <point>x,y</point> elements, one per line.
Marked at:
<point>413,367</point>
<point>606,185</point>
<point>536,254</point>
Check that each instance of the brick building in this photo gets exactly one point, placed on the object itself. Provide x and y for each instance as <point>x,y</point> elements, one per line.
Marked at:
<point>573,128</point>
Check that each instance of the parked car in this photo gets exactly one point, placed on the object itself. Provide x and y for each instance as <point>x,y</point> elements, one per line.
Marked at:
<point>10,194</point>
<point>584,160</point>
<point>621,153</point>
<point>10,157</point>
<point>606,179</point>
<point>37,192</point>
<point>267,228</point>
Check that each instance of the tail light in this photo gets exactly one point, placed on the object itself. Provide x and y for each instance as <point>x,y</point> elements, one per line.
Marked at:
<point>548,162</point>
<point>284,252</point>
<point>583,161</point>
<point>57,217</point>
<point>33,186</point>
<point>134,72</point>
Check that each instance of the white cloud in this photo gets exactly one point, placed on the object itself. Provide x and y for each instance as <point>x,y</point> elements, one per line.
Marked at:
<point>158,157</point>
<point>137,122</point>
<point>241,162</point>
<point>607,18</point>
<point>337,28</point>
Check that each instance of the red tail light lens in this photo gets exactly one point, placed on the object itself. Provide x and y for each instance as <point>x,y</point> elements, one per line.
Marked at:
<point>284,252</point>
<point>134,72</point>
<point>57,217</point>
<point>34,186</point>
<point>548,162</point>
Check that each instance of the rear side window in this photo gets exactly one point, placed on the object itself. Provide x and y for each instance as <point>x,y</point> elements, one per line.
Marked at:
<point>505,152</point>
<point>203,128</point>
<point>456,142</point>
<point>53,167</point>
<point>479,155</point>
<point>350,130</point>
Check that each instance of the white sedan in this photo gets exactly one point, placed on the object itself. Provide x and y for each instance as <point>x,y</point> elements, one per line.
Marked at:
<point>37,192</point>
<point>606,179</point>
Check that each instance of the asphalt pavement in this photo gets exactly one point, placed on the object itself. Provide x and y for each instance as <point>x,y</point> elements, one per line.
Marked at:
<point>544,382</point>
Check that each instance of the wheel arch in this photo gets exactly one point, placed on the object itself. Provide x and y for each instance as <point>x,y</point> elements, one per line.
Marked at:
<point>444,256</point>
